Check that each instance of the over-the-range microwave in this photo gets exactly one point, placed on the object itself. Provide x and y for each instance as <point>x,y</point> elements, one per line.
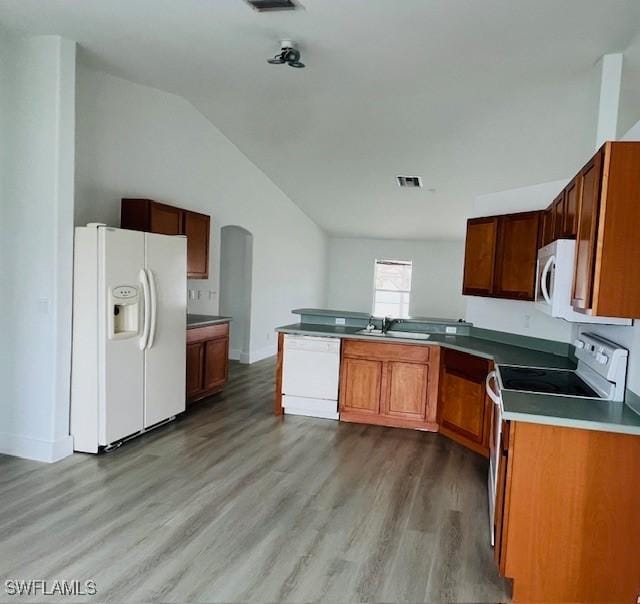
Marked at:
<point>554,282</point>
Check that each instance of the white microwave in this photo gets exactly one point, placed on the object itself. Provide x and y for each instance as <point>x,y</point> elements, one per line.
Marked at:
<point>554,283</point>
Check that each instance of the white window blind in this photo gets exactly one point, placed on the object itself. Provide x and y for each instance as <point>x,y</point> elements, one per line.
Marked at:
<point>392,288</point>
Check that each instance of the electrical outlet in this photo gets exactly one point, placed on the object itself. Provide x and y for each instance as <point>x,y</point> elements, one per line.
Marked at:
<point>199,294</point>
<point>527,321</point>
<point>451,330</point>
<point>341,321</point>
<point>192,294</point>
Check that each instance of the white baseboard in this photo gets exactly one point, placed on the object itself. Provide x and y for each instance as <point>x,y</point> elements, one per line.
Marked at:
<point>235,354</point>
<point>262,353</point>
<point>35,448</point>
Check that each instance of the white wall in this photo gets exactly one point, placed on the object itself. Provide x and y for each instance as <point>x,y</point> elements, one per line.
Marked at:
<point>38,91</point>
<point>512,315</point>
<point>236,259</point>
<point>137,141</point>
<point>436,280</point>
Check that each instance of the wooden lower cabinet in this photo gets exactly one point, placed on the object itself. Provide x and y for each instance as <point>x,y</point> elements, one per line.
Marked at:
<point>362,385</point>
<point>465,412</point>
<point>195,369</point>
<point>207,360</point>
<point>389,384</point>
<point>407,385</point>
<point>568,514</point>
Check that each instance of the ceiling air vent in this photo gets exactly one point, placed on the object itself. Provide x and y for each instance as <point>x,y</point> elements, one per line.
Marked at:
<point>409,181</point>
<point>270,5</point>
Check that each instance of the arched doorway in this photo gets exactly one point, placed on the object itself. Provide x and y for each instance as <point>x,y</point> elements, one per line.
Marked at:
<point>236,263</point>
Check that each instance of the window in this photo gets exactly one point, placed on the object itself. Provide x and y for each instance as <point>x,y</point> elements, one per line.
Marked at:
<point>392,283</point>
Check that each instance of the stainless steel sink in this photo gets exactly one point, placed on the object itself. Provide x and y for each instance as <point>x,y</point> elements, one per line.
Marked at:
<point>411,335</point>
<point>407,335</point>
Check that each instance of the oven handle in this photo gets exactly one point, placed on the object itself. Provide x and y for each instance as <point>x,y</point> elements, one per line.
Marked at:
<point>543,279</point>
<point>490,391</point>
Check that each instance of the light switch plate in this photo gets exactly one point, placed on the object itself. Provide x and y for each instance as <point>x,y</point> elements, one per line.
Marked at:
<point>341,321</point>
<point>451,330</point>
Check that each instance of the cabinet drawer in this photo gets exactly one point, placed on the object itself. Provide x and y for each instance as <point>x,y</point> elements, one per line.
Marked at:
<point>208,332</point>
<point>386,352</point>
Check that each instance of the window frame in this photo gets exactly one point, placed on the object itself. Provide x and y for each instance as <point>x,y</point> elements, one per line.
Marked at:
<point>395,291</point>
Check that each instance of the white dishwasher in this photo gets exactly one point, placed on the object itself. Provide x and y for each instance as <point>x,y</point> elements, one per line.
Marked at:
<point>310,373</point>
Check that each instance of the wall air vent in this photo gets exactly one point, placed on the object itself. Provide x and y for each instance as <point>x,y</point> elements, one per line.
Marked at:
<point>409,181</point>
<point>264,6</point>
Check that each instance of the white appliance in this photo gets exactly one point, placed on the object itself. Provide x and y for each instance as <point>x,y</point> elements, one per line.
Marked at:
<point>554,284</point>
<point>494,450</point>
<point>310,374</point>
<point>601,373</point>
<point>129,325</point>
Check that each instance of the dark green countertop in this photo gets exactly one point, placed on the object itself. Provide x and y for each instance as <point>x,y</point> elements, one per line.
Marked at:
<point>571,412</point>
<point>203,320</point>
<point>496,351</point>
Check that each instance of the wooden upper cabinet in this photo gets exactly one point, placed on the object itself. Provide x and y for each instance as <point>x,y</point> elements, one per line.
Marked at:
<point>590,177</point>
<point>165,220</point>
<point>480,256</point>
<point>558,209</point>
<point>548,234</point>
<point>517,255</point>
<point>571,203</point>
<point>154,217</point>
<point>565,212</point>
<point>607,279</point>
<point>501,254</point>
<point>196,228</point>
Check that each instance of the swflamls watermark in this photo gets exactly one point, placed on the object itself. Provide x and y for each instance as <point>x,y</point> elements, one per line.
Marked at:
<point>41,587</point>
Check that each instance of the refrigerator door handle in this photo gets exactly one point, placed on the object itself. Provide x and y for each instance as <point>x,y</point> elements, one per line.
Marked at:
<point>154,308</point>
<point>146,325</point>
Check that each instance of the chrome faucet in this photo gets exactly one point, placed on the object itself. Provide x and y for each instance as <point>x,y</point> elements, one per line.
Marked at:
<point>388,323</point>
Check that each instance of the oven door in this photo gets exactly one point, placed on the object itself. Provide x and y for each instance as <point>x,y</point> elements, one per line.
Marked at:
<point>494,449</point>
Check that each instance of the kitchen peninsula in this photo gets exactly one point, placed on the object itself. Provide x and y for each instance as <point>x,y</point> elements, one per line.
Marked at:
<point>551,530</point>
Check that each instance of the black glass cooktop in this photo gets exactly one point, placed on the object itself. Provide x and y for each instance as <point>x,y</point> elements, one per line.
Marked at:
<point>545,381</point>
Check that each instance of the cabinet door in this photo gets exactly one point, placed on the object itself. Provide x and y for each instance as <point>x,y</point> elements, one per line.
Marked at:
<point>361,384</point>
<point>502,489</point>
<point>517,255</point>
<point>570,225</point>
<point>463,406</point>
<point>590,179</point>
<point>216,363</point>
<point>196,228</point>
<point>406,390</point>
<point>195,369</point>
<point>558,216</point>
<point>479,256</point>
<point>548,234</point>
<point>165,219</point>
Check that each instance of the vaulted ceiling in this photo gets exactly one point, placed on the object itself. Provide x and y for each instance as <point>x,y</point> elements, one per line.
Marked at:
<point>473,96</point>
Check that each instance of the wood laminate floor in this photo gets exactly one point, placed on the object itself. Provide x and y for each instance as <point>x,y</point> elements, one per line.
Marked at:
<point>230,503</point>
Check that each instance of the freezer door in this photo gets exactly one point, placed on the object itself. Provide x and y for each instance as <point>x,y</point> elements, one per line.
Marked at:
<point>165,354</point>
<point>120,314</point>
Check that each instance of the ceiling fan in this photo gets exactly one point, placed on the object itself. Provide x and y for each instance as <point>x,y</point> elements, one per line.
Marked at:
<point>288,54</point>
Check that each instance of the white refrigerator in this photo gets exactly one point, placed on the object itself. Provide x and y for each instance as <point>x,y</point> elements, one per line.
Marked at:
<point>129,330</point>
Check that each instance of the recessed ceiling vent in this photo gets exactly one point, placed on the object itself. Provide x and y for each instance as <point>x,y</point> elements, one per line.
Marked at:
<point>410,182</point>
<point>264,6</point>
